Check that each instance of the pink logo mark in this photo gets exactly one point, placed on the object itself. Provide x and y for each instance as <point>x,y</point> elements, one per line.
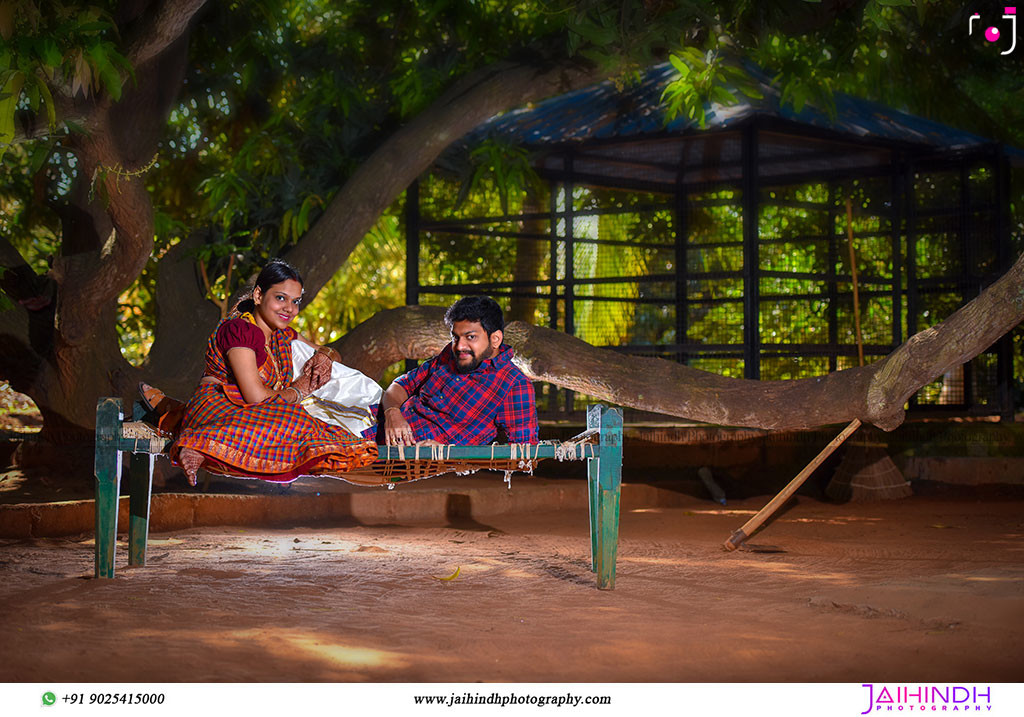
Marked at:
<point>992,34</point>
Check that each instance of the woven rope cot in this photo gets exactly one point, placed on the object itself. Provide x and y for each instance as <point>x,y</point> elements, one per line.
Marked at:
<point>404,464</point>
<point>600,445</point>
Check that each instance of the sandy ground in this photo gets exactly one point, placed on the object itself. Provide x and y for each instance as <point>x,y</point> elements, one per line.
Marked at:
<point>920,589</point>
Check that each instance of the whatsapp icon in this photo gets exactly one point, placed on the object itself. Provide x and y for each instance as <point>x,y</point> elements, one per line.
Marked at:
<point>49,698</point>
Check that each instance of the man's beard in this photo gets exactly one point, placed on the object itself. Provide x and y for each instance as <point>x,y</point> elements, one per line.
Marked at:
<point>475,363</point>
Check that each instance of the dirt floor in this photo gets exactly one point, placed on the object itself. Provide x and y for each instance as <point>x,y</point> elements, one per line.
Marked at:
<point>923,589</point>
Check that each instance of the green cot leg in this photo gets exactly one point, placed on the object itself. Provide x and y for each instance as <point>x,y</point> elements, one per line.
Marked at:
<point>610,480</point>
<point>108,482</point>
<point>594,485</point>
<point>140,473</point>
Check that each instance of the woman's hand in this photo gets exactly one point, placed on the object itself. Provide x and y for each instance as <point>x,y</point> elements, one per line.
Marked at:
<point>303,384</point>
<point>329,353</point>
<point>318,370</point>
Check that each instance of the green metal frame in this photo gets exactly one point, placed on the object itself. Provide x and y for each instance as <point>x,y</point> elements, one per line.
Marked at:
<point>604,469</point>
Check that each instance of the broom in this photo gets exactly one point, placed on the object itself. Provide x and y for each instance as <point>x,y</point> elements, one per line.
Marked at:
<point>866,471</point>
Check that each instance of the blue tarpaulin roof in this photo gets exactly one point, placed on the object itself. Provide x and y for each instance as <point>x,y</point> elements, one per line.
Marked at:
<point>603,112</point>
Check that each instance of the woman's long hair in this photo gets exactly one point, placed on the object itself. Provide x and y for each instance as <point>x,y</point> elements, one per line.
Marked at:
<point>273,273</point>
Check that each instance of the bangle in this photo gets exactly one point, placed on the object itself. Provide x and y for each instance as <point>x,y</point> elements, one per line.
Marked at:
<point>298,394</point>
<point>392,408</point>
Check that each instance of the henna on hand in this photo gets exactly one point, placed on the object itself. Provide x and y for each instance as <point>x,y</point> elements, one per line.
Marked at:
<point>329,353</point>
<point>304,385</point>
<point>318,369</point>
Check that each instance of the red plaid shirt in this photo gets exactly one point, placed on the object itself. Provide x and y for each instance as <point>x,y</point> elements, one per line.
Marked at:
<point>470,408</point>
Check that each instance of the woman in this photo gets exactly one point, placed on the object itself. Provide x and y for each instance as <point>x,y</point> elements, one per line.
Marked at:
<point>244,418</point>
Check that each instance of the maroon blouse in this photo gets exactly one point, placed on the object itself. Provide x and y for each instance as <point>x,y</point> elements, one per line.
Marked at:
<point>239,333</point>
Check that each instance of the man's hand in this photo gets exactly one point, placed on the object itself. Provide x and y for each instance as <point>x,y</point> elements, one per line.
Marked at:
<point>397,431</point>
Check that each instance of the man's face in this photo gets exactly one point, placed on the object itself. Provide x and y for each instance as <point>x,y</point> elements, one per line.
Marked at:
<point>471,345</point>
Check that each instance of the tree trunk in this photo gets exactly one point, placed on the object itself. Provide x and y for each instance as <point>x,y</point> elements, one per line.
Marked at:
<point>875,393</point>
<point>411,150</point>
<point>184,320</point>
<point>530,257</point>
<point>61,344</point>
<point>108,238</point>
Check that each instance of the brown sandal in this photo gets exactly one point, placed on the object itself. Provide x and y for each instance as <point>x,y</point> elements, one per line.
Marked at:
<point>168,411</point>
<point>152,398</point>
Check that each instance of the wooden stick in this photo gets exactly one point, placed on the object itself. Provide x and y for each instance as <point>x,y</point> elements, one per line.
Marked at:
<point>853,270</point>
<point>737,538</point>
<point>754,523</point>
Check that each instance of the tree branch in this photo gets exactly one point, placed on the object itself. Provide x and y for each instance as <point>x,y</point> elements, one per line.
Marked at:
<point>408,332</point>
<point>162,29</point>
<point>875,393</point>
<point>412,149</point>
<point>928,354</point>
<point>184,320</point>
<point>29,125</point>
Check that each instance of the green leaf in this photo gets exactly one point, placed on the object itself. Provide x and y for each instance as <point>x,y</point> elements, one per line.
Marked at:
<point>31,92</point>
<point>693,56</point>
<point>110,77</point>
<point>49,53</point>
<point>286,225</point>
<point>51,108</point>
<point>39,156</point>
<point>11,94</point>
<point>681,67</point>
<point>303,223</point>
<point>874,15</point>
<point>598,56</point>
<point>800,96</point>
<point>596,34</point>
<point>119,60</point>
<point>722,96</point>
<point>751,89</point>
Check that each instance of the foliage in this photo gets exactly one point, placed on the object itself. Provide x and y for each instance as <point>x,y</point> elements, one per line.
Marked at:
<point>70,45</point>
<point>283,100</point>
<point>372,280</point>
<point>705,77</point>
<point>28,223</point>
<point>507,168</point>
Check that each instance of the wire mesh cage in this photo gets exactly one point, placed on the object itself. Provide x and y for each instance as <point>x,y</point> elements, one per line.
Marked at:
<point>731,252</point>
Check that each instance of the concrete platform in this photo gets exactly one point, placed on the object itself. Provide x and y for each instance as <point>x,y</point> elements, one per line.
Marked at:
<point>443,501</point>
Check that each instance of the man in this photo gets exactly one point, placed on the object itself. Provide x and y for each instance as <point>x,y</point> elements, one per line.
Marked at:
<point>469,394</point>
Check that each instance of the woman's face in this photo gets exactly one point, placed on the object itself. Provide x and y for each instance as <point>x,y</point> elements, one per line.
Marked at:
<point>279,304</point>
